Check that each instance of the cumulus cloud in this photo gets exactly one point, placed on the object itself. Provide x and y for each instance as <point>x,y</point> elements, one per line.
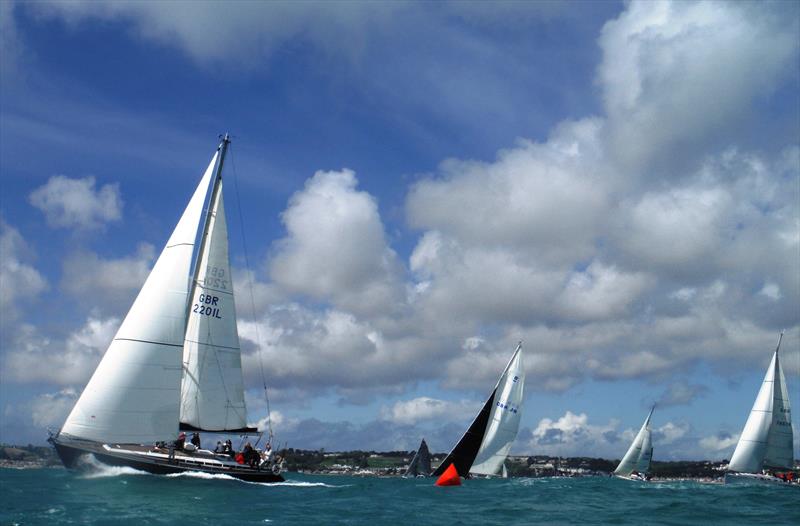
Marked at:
<point>250,33</point>
<point>684,75</point>
<point>534,196</point>
<point>74,203</point>
<point>34,357</point>
<point>719,445</point>
<point>670,433</point>
<point>336,246</point>
<point>681,393</point>
<point>51,409</point>
<point>572,433</point>
<point>19,281</point>
<point>428,409</point>
<point>112,283</point>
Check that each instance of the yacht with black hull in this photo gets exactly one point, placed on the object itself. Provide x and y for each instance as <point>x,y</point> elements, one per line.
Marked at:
<point>175,362</point>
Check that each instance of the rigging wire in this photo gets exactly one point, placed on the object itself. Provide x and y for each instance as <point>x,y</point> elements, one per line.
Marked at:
<point>250,287</point>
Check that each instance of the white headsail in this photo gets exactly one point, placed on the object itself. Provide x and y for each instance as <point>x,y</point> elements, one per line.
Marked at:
<point>212,393</point>
<point>639,454</point>
<point>503,420</point>
<point>133,395</point>
<point>766,440</point>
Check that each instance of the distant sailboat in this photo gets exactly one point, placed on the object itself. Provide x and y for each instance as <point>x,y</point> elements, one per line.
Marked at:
<point>484,447</point>
<point>635,465</point>
<point>420,465</point>
<point>175,362</point>
<point>765,445</point>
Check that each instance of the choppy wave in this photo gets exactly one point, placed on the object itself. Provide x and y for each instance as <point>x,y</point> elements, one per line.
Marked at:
<point>62,498</point>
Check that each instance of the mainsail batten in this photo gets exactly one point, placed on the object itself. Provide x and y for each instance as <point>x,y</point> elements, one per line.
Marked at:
<point>133,395</point>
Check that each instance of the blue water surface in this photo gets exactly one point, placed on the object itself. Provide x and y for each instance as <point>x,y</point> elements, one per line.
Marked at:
<point>122,496</point>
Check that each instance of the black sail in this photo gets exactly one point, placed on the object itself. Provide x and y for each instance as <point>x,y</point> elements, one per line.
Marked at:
<point>421,463</point>
<point>464,453</point>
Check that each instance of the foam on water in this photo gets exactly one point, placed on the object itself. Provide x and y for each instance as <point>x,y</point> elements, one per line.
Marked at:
<point>201,475</point>
<point>94,469</point>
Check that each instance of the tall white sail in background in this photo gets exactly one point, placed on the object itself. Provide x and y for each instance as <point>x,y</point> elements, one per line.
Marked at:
<point>639,453</point>
<point>133,395</point>
<point>766,440</point>
<point>212,393</point>
<point>503,420</point>
<point>646,456</point>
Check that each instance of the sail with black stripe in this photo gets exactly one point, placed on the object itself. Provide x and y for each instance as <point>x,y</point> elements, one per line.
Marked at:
<point>484,447</point>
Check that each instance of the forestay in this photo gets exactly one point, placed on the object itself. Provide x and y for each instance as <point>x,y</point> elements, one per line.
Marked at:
<point>133,395</point>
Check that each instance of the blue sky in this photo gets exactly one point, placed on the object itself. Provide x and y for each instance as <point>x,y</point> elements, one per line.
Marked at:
<point>422,185</point>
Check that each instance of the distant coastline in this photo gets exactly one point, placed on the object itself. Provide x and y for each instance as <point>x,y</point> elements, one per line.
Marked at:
<point>393,463</point>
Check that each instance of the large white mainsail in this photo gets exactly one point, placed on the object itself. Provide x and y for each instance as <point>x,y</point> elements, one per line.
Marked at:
<point>212,392</point>
<point>766,441</point>
<point>640,452</point>
<point>133,395</point>
<point>486,443</point>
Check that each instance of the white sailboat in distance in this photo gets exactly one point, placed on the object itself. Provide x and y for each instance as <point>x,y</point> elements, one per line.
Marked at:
<point>175,362</point>
<point>484,447</point>
<point>635,465</point>
<point>764,452</point>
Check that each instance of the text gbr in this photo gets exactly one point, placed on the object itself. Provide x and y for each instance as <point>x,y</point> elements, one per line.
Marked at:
<point>206,305</point>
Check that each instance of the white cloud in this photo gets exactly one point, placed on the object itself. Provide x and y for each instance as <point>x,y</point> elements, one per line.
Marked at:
<point>19,281</point>
<point>249,33</point>
<point>33,357</point>
<point>51,409</point>
<point>683,75</point>
<point>336,247</point>
<point>112,283</point>
<point>772,291</point>
<point>719,444</point>
<point>545,199</point>
<point>74,203</point>
<point>422,409</point>
<point>281,424</point>
<point>681,393</point>
<point>670,433</point>
<point>572,433</point>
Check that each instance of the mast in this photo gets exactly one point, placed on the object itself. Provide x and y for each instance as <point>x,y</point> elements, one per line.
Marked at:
<point>222,149</point>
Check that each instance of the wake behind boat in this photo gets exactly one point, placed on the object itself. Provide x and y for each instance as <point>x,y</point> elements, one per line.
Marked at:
<point>484,447</point>
<point>175,362</point>
<point>764,452</point>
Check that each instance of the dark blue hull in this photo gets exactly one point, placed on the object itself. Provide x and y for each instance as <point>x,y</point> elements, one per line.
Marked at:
<point>73,453</point>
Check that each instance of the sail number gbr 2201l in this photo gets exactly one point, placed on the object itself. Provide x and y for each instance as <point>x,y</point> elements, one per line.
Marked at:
<point>207,306</point>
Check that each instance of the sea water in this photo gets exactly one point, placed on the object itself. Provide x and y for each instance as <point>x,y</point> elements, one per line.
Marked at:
<point>121,496</point>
